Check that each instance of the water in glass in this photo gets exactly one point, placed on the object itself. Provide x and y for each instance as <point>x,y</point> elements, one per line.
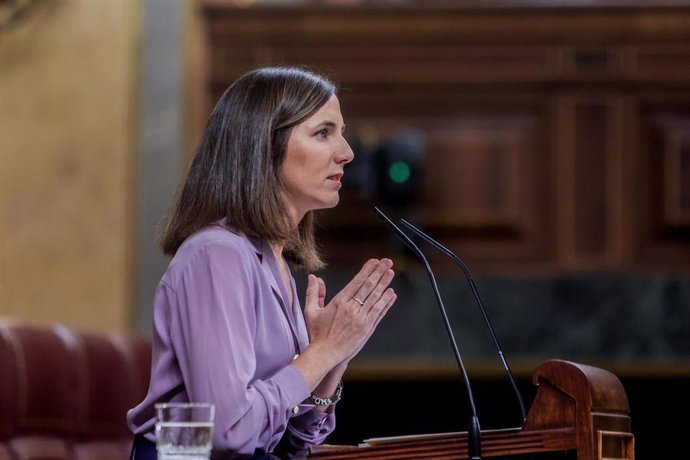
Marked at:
<point>184,440</point>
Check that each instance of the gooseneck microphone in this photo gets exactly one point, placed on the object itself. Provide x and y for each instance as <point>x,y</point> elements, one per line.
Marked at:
<point>470,281</point>
<point>474,446</point>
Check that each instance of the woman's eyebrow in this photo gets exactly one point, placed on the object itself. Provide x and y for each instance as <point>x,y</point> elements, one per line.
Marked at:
<point>329,124</point>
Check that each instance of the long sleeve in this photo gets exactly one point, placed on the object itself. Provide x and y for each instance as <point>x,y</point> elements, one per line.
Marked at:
<point>221,335</point>
<point>307,429</point>
<point>213,331</point>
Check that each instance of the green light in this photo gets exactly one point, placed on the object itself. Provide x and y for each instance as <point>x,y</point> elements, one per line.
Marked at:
<point>399,172</point>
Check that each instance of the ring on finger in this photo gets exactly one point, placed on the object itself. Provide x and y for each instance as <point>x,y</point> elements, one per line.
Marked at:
<point>361,304</point>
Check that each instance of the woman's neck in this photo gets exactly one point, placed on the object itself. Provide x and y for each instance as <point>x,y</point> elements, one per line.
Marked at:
<point>277,249</point>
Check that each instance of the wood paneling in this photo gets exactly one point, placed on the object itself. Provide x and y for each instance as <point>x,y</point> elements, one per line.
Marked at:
<point>662,174</point>
<point>555,138</point>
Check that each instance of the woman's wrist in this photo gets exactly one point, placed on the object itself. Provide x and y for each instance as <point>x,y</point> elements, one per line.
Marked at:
<point>329,401</point>
<point>329,390</point>
<point>314,365</point>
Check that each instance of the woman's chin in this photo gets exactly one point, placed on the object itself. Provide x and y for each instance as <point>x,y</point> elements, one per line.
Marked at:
<point>326,205</point>
<point>334,202</point>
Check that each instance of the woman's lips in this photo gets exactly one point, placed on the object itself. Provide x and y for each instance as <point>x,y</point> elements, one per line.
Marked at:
<point>336,178</point>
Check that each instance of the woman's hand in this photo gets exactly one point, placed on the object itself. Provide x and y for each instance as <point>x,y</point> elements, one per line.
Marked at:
<point>338,330</point>
<point>344,325</point>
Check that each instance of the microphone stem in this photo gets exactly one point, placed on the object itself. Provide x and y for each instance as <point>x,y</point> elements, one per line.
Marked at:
<point>456,352</point>
<point>474,441</point>
<point>474,430</point>
<point>475,293</point>
<point>506,366</point>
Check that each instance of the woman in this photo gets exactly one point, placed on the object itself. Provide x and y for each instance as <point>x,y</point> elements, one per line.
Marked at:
<point>228,327</point>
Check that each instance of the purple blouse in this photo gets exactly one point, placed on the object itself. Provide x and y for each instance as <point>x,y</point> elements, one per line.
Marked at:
<point>225,333</point>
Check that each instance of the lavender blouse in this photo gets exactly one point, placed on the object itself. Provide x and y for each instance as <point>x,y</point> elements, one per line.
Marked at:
<point>225,333</point>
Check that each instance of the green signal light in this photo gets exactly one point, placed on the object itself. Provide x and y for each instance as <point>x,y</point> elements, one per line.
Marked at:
<point>399,172</point>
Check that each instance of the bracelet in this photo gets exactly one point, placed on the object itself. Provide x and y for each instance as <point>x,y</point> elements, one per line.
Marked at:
<point>328,401</point>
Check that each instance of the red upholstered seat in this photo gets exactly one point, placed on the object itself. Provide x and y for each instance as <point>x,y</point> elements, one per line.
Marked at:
<point>39,388</point>
<point>101,428</point>
<point>137,350</point>
<point>64,394</point>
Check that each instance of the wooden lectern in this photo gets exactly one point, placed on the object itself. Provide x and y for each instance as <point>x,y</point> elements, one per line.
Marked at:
<point>579,412</point>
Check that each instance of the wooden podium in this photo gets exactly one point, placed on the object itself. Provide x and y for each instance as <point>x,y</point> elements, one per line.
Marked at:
<point>579,412</point>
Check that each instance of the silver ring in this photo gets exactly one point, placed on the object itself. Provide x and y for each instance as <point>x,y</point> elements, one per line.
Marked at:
<point>361,304</point>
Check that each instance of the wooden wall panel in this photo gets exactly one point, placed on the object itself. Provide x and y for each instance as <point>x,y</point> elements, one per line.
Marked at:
<point>589,164</point>
<point>667,64</point>
<point>590,180</point>
<point>539,125</point>
<point>675,132</point>
<point>483,176</point>
<point>662,175</point>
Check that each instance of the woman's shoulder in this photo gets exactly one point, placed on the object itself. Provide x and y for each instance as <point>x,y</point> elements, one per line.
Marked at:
<point>214,235</point>
<point>214,247</point>
<point>214,252</point>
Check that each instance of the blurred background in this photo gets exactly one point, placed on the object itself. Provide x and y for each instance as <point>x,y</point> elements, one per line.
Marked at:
<point>546,143</point>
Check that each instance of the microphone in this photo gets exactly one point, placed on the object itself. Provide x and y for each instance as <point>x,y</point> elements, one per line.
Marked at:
<point>474,447</point>
<point>473,288</point>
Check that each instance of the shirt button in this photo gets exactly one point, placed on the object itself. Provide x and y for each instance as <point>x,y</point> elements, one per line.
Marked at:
<point>295,357</point>
<point>295,410</point>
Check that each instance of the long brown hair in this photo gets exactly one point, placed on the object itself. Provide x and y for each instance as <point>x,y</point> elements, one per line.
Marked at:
<point>236,165</point>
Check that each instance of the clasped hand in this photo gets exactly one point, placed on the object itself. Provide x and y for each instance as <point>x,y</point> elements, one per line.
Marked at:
<point>345,324</point>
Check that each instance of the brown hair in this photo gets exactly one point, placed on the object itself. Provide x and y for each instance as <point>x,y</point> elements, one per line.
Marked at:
<point>235,169</point>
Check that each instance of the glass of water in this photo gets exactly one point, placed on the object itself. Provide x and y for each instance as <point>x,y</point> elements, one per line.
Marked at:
<point>184,431</point>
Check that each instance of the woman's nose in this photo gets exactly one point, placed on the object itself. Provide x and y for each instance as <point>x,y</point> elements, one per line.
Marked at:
<point>345,153</point>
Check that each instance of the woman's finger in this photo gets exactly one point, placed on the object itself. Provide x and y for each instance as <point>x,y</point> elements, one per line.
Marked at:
<point>375,284</point>
<point>312,295</point>
<point>350,290</point>
<point>381,307</point>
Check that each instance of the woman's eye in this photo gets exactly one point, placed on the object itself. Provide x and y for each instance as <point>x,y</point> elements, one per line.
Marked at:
<point>323,134</point>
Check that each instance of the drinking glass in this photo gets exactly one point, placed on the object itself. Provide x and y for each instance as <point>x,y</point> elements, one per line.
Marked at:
<point>184,431</point>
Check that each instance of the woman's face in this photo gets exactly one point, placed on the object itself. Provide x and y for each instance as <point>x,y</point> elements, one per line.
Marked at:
<point>313,166</point>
